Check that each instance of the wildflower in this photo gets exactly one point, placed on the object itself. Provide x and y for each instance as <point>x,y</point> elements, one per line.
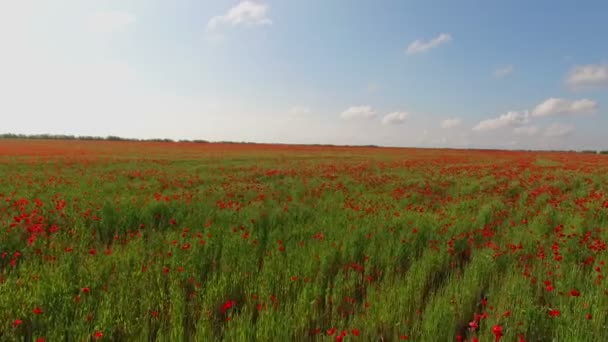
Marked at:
<point>473,325</point>
<point>497,331</point>
<point>229,304</point>
<point>97,335</point>
<point>37,311</point>
<point>355,332</point>
<point>17,323</point>
<point>554,313</point>
<point>574,293</point>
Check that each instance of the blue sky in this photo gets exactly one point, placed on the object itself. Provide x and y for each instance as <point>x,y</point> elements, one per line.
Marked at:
<point>508,74</point>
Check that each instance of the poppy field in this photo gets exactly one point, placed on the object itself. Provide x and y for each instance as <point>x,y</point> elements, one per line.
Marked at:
<point>141,241</point>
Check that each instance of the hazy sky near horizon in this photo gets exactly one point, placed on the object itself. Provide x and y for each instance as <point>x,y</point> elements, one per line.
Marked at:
<point>490,74</point>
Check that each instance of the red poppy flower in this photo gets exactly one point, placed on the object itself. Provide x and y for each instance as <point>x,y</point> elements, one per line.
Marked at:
<point>574,293</point>
<point>554,313</point>
<point>37,311</point>
<point>473,325</point>
<point>97,335</point>
<point>229,304</point>
<point>497,331</point>
<point>17,323</point>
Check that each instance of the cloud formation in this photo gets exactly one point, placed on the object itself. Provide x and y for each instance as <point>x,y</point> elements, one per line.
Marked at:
<point>395,118</point>
<point>359,112</point>
<point>555,106</point>
<point>550,107</point>
<point>450,123</point>
<point>245,13</point>
<point>509,119</point>
<point>588,76</point>
<point>420,46</point>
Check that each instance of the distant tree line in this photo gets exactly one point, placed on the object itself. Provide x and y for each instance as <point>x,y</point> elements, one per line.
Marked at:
<point>117,138</point>
<point>87,137</point>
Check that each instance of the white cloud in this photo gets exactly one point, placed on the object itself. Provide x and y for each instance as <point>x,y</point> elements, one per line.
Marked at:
<point>419,46</point>
<point>450,123</point>
<point>509,119</point>
<point>558,130</point>
<point>526,130</point>
<point>504,71</point>
<point>359,112</point>
<point>245,13</point>
<point>298,110</point>
<point>110,21</point>
<point>395,118</point>
<point>588,76</point>
<point>555,106</point>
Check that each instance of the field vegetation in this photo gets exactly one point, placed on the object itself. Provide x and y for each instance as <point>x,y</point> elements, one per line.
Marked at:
<point>158,241</point>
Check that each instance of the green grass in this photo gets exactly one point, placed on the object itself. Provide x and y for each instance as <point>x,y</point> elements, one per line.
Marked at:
<point>385,246</point>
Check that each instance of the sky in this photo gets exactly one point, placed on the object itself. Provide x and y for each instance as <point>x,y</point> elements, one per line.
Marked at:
<point>513,74</point>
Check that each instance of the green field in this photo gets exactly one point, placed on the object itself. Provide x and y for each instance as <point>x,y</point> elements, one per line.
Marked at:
<point>181,243</point>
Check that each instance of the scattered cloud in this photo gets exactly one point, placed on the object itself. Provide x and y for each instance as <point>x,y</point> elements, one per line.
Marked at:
<point>419,46</point>
<point>359,112</point>
<point>526,130</point>
<point>504,71</point>
<point>549,107</point>
<point>395,118</point>
<point>298,110</point>
<point>451,123</point>
<point>245,13</point>
<point>556,106</point>
<point>558,130</point>
<point>588,76</point>
<point>510,119</point>
<point>110,21</point>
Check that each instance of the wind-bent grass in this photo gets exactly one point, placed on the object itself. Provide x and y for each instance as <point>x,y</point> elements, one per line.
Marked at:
<point>303,245</point>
